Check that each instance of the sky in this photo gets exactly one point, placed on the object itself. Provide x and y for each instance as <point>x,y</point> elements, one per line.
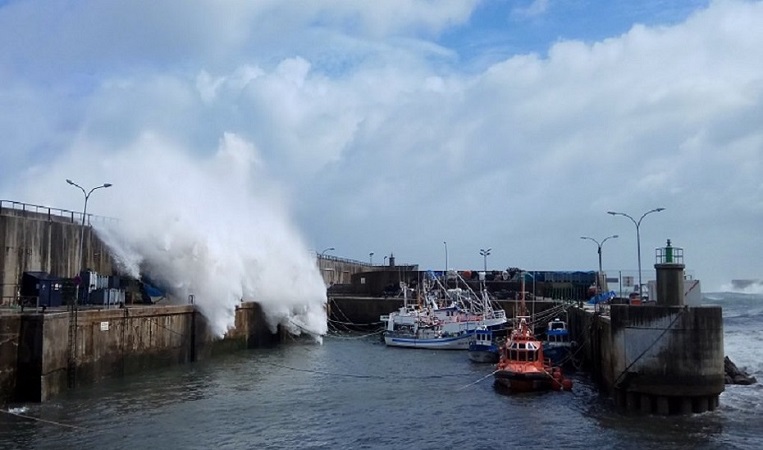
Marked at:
<point>419,128</point>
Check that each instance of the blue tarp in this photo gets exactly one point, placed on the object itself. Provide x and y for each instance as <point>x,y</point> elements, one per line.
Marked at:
<point>603,297</point>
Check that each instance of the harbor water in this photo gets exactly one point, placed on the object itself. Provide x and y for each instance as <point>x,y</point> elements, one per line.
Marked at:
<point>352,392</point>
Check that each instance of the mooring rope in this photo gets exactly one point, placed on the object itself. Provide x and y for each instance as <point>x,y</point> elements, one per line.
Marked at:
<point>338,336</point>
<point>52,422</point>
<point>472,384</point>
<point>625,371</point>
<point>351,375</point>
<point>377,377</point>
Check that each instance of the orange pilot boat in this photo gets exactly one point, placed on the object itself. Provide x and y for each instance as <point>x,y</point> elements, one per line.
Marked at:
<point>522,367</point>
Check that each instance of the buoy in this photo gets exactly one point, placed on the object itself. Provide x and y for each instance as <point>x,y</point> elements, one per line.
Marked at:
<point>567,384</point>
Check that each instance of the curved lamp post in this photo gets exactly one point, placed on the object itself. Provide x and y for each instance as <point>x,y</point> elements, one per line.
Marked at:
<point>84,214</point>
<point>485,253</point>
<point>599,244</point>
<point>371,258</point>
<point>638,237</point>
<point>330,249</point>
<point>72,358</point>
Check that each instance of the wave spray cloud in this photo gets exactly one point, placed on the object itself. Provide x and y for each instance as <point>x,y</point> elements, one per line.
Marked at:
<point>214,228</point>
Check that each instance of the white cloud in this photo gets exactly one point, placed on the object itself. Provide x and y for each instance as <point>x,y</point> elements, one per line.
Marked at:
<point>379,141</point>
<point>534,9</point>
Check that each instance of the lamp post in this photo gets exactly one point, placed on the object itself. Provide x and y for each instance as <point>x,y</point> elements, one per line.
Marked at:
<point>485,254</point>
<point>82,230</point>
<point>72,358</point>
<point>330,249</point>
<point>638,237</point>
<point>371,258</point>
<point>385,260</point>
<point>599,244</point>
<point>446,257</point>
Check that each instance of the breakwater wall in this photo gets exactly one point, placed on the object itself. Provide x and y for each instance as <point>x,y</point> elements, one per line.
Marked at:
<point>45,239</point>
<point>654,359</point>
<point>38,361</point>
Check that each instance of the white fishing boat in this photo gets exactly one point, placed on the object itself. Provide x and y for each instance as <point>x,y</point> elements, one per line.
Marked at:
<point>435,325</point>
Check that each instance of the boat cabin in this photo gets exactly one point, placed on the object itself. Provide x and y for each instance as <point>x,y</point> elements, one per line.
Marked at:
<point>557,332</point>
<point>523,351</point>
<point>483,337</point>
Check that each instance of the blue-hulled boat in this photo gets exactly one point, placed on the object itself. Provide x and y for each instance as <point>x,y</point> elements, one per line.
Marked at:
<point>482,346</point>
<point>558,346</point>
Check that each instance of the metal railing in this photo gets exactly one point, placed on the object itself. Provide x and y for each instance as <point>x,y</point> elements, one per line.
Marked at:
<point>8,207</point>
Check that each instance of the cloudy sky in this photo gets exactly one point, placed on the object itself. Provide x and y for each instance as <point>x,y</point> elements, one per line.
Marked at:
<point>395,126</point>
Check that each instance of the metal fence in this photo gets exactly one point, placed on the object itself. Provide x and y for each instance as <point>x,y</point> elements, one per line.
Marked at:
<point>14,208</point>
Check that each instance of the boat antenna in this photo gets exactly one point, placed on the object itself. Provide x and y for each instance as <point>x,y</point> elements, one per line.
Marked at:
<point>522,306</point>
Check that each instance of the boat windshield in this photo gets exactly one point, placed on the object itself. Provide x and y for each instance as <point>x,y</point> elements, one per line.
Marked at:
<point>523,352</point>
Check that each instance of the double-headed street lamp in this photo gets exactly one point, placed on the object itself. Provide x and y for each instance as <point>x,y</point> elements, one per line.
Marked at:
<point>72,359</point>
<point>84,214</point>
<point>599,244</point>
<point>485,253</point>
<point>638,237</point>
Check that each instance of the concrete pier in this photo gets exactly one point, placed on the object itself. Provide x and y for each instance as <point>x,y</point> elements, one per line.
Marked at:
<point>34,358</point>
<point>655,359</point>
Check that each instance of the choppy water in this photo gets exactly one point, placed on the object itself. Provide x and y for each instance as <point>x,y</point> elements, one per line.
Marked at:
<point>358,394</point>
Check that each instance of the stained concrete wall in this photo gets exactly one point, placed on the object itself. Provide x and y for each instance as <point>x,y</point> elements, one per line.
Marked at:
<point>593,333</point>
<point>661,359</point>
<point>340,270</point>
<point>669,351</point>
<point>10,326</point>
<point>46,243</point>
<point>34,358</point>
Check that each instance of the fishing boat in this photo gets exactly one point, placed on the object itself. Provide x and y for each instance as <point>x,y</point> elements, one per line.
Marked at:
<point>446,318</point>
<point>482,346</point>
<point>557,346</point>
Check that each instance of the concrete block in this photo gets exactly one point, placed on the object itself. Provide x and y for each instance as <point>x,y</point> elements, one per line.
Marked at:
<point>632,401</point>
<point>685,405</point>
<point>700,404</point>
<point>646,403</point>
<point>663,405</point>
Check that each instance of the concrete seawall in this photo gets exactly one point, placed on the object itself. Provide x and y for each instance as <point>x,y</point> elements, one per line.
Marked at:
<point>48,243</point>
<point>35,352</point>
<point>655,359</point>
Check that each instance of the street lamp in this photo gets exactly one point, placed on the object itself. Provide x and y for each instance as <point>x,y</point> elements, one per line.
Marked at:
<point>638,237</point>
<point>446,257</point>
<point>371,258</point>
<point>485,254</point>
<point>385,260</point>
<point>82,231</point>
<point>599,244</point>
<point>330,249</point>
<point>72,359</point>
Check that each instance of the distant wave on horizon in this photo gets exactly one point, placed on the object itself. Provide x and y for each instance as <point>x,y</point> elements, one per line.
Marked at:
<point>741,287</point>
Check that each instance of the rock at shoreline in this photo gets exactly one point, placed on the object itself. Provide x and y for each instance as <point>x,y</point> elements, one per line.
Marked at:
<point>735,375</point>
